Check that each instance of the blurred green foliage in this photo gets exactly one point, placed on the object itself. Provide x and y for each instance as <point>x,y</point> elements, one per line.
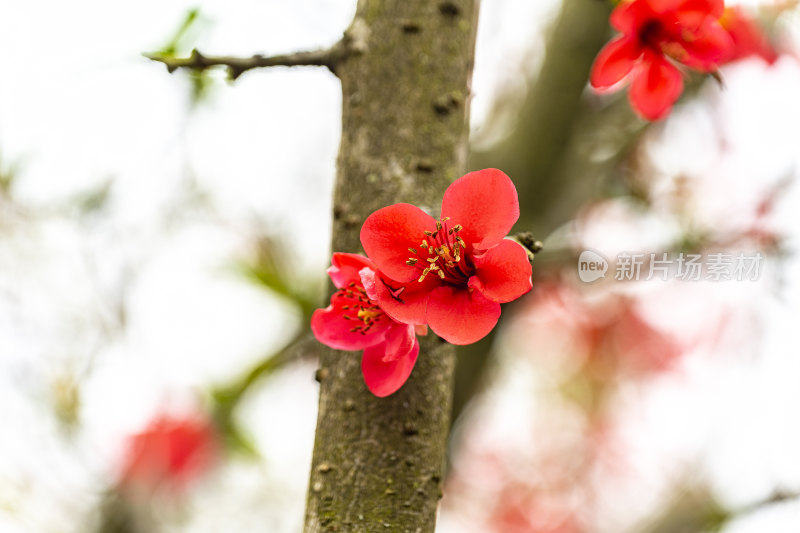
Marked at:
<point>270,268</point>
<point>181,43</point>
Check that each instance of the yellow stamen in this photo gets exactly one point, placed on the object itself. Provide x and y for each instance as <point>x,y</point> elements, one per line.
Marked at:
<point>424,273</point>
<point>367,314</point>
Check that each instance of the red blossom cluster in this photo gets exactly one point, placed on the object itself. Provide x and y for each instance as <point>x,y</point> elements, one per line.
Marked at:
<point>610,332</point>
<point>661,38</point>
<point>450,274</point>
<point>169,453</point>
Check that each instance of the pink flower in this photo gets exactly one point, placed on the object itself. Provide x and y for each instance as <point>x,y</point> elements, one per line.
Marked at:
<point>355,322</point>
<point>451,274</point>
<point>655,35</point>
<point>169,452</point>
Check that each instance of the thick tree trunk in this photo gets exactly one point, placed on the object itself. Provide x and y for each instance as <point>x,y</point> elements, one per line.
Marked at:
<point>378,462</point>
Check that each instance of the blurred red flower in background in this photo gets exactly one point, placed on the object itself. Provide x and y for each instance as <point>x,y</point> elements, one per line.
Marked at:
<point>451,274</point>
<point>748,37</point>
<point>171,452</point>
<point>610,333</point>
<point>656,34</point>
<point>522,508</point>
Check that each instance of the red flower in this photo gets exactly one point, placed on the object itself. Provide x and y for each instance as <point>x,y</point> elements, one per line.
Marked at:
<point>654,34</point>
<point>354,322</point>
<point>748,37</point>
<point>169,452</point>
<point>450,274</point>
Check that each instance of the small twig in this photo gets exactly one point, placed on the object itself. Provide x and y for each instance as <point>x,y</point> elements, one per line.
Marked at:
<point>328,57</point>
<point>777,496</point>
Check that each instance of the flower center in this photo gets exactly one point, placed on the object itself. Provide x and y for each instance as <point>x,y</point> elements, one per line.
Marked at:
<point>356,301</point>
<point>651,34</point>
<point>445,255</point>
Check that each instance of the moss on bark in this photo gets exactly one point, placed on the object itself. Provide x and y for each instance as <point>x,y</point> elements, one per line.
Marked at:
<point>378,462</point>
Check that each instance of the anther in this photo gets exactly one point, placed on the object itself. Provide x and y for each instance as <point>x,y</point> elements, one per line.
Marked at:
<point>433,259</point>
<point>412,250</point>
<point>424,273</point>
<point>457,228</point>
<point>441,274</point>
<point>429,233</point>
<point>438,225</point>
<point>424,244</point>
<point>411,261</point>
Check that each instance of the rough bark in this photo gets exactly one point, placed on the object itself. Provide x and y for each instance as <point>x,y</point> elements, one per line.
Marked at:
<point>378,462</point>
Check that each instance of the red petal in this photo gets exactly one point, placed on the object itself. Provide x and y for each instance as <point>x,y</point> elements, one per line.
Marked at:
<point>503,273</point>
<point>710,46</point>
<point>705,8</point>
<point>485,204</point>
<point>332,329</point>
<point>628,16</point>
<point>614,62</point>
<point>655,87</point>
<point>388,233</point>
<point>403,302</point>
<point>385,377</point>
<point>344,268</point>
<point>399,340</point>
<point>461,316</point>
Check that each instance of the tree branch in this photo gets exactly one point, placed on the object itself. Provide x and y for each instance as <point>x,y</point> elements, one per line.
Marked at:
<point>776,497</point>
<point>328,57</point>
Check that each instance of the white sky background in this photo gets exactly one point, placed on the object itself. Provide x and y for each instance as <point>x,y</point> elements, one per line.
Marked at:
<point>80,106</point>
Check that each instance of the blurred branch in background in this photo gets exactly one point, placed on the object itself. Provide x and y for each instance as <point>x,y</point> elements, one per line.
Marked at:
<point>695,509</point>
<point>542,142</point>
<point>269,269</point>
<point>537,147</point>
